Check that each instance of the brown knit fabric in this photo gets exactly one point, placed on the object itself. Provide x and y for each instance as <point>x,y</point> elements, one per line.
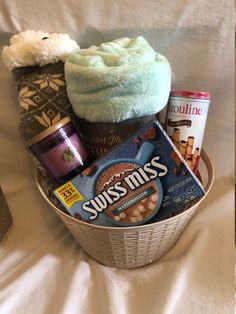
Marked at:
<point>42,96</point>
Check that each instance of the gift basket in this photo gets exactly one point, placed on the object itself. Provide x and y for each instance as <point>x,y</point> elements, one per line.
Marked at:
<point>123,183</point>
<point>130,247</point>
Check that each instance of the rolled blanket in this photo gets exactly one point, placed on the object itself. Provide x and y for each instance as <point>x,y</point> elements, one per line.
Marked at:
<point>118,80</point>
<point>36,60</point>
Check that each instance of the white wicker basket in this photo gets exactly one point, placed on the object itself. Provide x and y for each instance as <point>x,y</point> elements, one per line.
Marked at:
<point>130,247</point>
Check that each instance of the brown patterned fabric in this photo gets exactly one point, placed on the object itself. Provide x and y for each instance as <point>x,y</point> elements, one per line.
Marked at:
<point>42,97</point>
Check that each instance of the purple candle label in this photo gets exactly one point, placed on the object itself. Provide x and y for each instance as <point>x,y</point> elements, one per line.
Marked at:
<point>65,156</point>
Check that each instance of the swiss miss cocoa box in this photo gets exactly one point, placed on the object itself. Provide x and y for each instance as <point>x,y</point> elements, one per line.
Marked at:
<point>144,179</point>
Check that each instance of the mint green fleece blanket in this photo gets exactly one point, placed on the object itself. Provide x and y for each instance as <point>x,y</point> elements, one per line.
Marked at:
<point>118,80</point>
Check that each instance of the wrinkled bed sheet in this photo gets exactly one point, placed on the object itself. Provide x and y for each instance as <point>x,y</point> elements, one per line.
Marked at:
<point>42,268</point>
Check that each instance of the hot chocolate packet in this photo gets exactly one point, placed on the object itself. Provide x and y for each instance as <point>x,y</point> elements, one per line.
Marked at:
<point>144,179</point>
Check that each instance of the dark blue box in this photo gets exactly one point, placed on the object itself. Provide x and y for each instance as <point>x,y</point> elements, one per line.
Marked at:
<point>143,180</point>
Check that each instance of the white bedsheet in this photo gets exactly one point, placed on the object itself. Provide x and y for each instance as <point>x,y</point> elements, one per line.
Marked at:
<point>42,268</point>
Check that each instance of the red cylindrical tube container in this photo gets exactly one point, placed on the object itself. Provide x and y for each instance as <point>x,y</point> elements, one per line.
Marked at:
<point>185,123</point>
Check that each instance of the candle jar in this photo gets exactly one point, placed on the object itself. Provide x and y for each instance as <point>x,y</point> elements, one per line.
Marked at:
<point>60,150</point>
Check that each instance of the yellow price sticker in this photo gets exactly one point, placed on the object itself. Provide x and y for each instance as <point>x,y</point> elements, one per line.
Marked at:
<point>69,194</point>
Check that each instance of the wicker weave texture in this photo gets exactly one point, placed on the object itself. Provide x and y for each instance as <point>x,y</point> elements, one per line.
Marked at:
<point>131,247</point>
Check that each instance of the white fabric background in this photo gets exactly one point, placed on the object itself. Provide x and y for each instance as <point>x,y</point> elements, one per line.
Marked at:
<point>42,268</point>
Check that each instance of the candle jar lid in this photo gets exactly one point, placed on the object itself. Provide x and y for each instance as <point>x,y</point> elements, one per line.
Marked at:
<point>40,136</point>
